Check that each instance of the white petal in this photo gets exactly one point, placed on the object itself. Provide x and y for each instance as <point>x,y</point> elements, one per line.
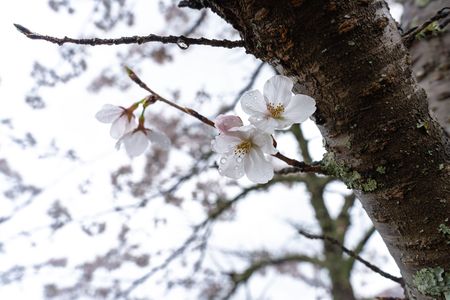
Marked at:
<point>119,142</point>
<point>265,124</point>
<point>159,139</point>
<point>119,127</point>
<point>224,143</point>
<point>231,166</point>
<point>131,125</point>
<point>257,168</point>
<point>283,123</point>
<point>108,113</point>
<point>300,108</point>
<point>278,89</point>
<point>264,142</point>
<point>253,103</point>
<point>135,143</point>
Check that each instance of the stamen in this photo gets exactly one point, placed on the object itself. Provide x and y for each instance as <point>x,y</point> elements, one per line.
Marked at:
<point>276,111</point>
<point>243,148</point>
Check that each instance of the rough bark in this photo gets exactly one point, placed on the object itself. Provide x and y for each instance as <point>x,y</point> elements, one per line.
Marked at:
<point>373,116</point>
<point>431,58</point>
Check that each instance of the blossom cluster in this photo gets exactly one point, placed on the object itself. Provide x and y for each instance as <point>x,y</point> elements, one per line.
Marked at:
<point>129,132</point>
<point>243,149</point>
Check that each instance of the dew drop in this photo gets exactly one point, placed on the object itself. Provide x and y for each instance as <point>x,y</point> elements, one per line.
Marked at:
<point>182,44</point>
<point>223,160</point>
<point>239,159</point>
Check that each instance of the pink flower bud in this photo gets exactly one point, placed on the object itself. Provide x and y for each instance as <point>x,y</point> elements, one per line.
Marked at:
<point>225,122</point>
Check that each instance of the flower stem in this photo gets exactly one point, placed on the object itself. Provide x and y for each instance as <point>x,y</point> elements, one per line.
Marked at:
<point>186,110</point>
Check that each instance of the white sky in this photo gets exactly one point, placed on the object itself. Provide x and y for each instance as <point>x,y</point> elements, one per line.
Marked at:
<point>69,121</point>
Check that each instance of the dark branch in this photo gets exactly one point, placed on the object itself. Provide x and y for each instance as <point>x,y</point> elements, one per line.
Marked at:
<point>361,244</point>
<point>410,35</point>
<point>194,4</point>
<point>242,277</point>
<point>299,166</point>
<point>352,254</point>
<point>182,41</point>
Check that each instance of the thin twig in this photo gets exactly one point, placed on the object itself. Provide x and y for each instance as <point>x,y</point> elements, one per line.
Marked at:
<point>409,36</point>
<point>351,253</point>
<point>182,41</point>
<point>186,110</point>
<point>242,277</point>
<point>300,166</point>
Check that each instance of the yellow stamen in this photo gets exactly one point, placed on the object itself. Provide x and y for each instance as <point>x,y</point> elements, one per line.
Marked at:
<point>276,111</point>
<point>243,148</point>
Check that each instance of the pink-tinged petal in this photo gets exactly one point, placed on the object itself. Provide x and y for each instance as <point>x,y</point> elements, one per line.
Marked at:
<point>253,103</point>
<point>158,139</point>
<point>231,166</point>
<point>226,122</point>
<point>278,90</point>
<point>265,124</point>
<point>119,127</point>
<point>108,113</point>
<point>135,143</point>
<point>300,108</point>
<point>257,168</point>
<point>264,142</point>
<point>224,143</point>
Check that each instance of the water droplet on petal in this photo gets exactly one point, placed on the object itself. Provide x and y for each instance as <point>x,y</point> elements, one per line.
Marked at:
<point>239,159</point>
<point>223,160</point>
<point>182,44</point>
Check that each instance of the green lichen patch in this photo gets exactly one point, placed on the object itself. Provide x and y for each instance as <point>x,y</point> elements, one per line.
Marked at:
<point>425,125</point>
<point>381,170</point>
<point>422,3</point>
<point>433,282</point>
<point>351,178</point>
<point>433,29</point>
<point>445,230</point>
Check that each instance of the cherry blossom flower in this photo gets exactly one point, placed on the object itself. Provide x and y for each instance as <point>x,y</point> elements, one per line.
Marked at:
<point>225,122</point>
<point>277,108</point>
<point>137,140</point>
<point>242,151</point>
<point>122,119</point>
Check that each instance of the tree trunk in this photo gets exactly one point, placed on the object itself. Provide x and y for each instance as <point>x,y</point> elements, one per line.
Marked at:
<point>349,56</point>
<point>431,59</point>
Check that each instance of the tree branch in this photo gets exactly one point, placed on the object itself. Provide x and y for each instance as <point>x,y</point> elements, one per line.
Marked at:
<point>194,4</point>
<point>351,253</point>
<point>361,244</point>
<point>409,36</point>
<point>242,277</point>
<point>182,41</point>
